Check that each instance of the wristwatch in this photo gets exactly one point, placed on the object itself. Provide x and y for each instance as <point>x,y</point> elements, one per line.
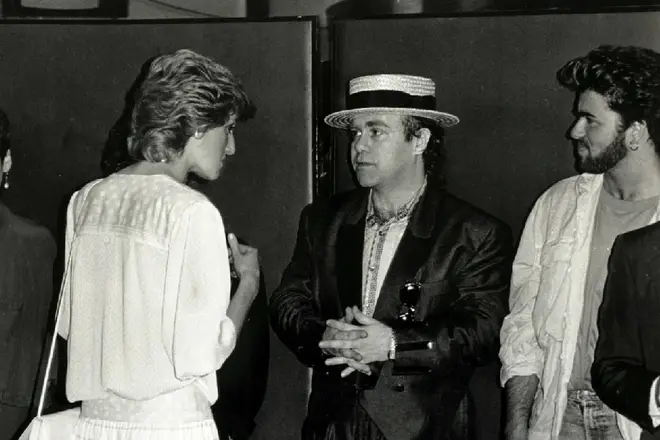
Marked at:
<point>391,353</point>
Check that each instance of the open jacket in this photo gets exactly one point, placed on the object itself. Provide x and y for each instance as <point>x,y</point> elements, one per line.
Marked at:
<point>539,336</point>
<point>462,258</point>
<point>627,356</point>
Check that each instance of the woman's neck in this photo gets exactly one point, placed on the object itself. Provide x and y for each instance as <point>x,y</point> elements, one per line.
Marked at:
<point>174,170</point>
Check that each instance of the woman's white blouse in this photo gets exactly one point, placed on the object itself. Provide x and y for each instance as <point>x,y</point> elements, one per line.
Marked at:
<point>146,289</point>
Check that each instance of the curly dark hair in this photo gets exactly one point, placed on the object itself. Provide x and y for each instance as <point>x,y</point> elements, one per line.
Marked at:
<point>182,93</point>
<point>5,131</point>
<point>435,155</point>
<point>628,77</point>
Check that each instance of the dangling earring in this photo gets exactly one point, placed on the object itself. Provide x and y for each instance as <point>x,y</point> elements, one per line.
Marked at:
<point>5,176</point>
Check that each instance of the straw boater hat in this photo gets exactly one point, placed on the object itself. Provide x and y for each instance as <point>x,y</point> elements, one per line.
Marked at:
<point>396,94</point>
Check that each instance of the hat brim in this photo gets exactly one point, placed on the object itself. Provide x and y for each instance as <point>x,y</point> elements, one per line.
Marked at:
<point>342,119</point>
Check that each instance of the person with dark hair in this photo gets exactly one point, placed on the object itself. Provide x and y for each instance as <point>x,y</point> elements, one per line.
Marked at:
<point>27,255</point>
<point>435,154</point>
<point>146,300</point>
<point>396,291</point>
<point>549,338</point>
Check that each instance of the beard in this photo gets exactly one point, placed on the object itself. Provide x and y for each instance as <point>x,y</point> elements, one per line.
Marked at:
<point>608,158</point>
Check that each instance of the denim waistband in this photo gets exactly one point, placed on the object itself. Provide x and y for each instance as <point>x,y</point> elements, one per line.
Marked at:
<point>584,396</point>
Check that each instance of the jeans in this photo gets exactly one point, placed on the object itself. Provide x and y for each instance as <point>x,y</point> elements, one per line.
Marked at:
<point>587,418</point>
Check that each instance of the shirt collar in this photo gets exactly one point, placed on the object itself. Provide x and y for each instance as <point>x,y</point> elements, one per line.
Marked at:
<point>374,219</point>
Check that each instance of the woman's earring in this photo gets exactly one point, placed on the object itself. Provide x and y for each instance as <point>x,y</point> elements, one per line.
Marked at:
<point>5,179</point>
<point>198,134</point>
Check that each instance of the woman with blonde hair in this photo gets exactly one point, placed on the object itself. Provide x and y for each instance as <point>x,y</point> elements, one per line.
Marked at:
<point>146,294</point>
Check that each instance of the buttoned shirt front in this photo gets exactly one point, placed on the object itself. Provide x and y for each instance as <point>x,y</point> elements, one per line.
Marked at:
<point>381,239</point>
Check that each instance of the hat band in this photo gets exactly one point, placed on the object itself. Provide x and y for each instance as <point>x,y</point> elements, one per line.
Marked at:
<point>389,98</point>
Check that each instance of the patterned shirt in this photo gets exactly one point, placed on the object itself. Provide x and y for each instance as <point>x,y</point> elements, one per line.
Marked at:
<point>381,239</point>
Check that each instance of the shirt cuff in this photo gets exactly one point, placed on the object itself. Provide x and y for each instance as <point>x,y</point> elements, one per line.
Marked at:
<point>228,335</point>
<point>522,369</point>
<point>391,353</point>
<point>654,411</point>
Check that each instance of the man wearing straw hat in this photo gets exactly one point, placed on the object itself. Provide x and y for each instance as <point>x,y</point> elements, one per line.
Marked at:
<point>396,291</point>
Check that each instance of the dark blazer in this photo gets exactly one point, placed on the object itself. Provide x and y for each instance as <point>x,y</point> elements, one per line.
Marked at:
<point>27,254</point>
<point>627,357</point>
<point>461,256</point>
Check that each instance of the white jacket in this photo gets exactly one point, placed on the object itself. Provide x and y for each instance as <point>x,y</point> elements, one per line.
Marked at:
<point>539,336</point>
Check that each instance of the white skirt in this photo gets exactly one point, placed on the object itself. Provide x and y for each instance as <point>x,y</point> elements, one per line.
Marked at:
<point>181,415</point>
<point>92,429</point>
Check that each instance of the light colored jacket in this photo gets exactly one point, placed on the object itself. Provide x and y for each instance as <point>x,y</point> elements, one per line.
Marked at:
<point>539,336</point>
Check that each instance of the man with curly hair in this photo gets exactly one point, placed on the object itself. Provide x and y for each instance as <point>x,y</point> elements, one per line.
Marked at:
<point>559,273</point>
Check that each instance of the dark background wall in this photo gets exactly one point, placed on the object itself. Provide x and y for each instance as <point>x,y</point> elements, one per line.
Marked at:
<point>497,73</point>
<point>63,86</point>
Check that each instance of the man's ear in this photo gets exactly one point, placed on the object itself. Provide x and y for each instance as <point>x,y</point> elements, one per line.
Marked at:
<point>421,141</point>
<point>6,162</point>
<point>638,133</point>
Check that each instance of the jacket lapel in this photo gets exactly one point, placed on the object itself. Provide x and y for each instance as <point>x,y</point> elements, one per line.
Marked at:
<point>349,246</point>
<point>411,255</point>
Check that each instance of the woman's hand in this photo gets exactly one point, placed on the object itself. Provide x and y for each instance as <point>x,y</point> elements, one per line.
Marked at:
<point>246,258</point>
